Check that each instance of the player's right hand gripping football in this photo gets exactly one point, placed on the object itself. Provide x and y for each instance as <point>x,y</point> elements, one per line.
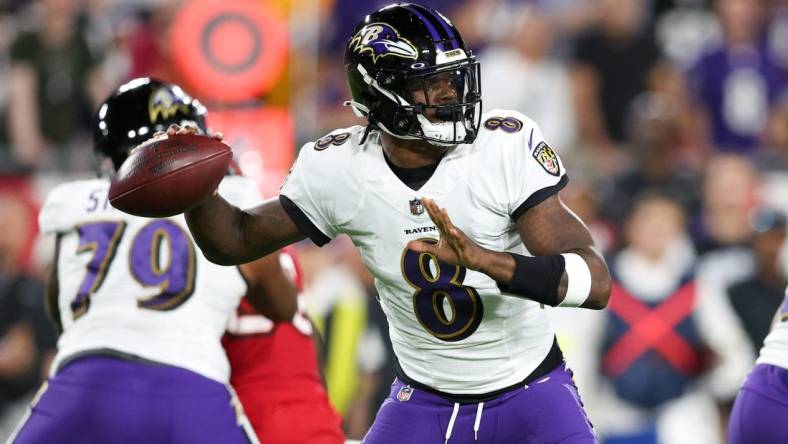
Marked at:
<point>186,129</point>
<point>454,247</point>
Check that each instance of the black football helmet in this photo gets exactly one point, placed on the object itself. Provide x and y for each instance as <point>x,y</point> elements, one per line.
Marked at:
<point>136,110</point>
<point>404,49</point>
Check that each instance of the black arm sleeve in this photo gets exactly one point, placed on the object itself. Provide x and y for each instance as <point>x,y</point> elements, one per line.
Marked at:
<point>302,222</point>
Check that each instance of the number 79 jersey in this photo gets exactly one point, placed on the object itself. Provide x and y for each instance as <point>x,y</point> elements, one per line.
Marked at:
<point>139,286</point>
<point>451,328</point>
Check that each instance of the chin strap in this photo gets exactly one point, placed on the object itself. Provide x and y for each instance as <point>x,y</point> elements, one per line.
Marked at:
<point>442,133</point>
<point>359,109</point>
<point>364,136</point>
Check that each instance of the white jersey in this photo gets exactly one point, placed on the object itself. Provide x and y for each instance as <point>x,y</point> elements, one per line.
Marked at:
<point>140,286</point>
<point>775,346</point>
<point>451,328</point>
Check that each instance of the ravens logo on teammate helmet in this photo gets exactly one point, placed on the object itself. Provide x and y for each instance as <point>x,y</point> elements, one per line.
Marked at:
<point>136,110</point>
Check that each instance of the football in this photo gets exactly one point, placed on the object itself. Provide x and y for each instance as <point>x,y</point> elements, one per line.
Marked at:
<point>168,175</point>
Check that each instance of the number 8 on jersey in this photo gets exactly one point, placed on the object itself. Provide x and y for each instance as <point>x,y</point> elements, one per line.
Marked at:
<point>438,284</point>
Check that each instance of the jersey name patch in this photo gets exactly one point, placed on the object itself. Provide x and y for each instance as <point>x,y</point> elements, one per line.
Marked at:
<point>547,158</point>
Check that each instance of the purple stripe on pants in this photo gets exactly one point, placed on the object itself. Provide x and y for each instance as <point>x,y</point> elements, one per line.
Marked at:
<point>547,411</point>
<point>760,413</point>
<point>100,399</point>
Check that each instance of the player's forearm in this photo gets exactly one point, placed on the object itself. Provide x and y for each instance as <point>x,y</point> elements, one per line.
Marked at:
<point>498,265</point>
<point>503,268</point>
<point>228,235</point>
<point>217,228</point>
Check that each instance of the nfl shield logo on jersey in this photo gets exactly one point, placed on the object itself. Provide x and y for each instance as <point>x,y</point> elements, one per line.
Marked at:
<point>416,208</point>
<point>404,393</point>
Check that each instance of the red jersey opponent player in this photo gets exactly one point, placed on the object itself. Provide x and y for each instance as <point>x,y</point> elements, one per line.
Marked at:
<point>275,372</point>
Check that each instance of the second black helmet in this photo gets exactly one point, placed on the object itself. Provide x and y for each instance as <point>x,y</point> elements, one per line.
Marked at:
<point>136,110</point>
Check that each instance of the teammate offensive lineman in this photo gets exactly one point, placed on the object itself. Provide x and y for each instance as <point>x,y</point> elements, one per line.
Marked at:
<point>759,413</point>
<point>142,311</point>
<point>477,358</point>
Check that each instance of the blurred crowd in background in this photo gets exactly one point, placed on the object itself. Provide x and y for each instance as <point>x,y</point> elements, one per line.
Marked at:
<point>670,115</point>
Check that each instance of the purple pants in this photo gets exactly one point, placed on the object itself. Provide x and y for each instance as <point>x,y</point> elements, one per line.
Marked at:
<point>546,411</point>
<point>100,399</point>
<point>760,413</point>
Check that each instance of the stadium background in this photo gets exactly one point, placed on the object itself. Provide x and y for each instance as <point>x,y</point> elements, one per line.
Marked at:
<point>671,116</point>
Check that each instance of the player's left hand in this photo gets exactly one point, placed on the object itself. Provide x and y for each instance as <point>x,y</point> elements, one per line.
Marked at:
<point>454,246</point>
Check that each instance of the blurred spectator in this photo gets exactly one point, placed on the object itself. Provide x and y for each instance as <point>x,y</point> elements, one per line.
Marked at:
<point>145,40</point>
<point>757,298</point>
<point>570,17</point>
<point>337,303</point>
<point>684,28</point>
<point>722,231</point>
<point>25,336</point>
<point>53,83</point>
<point>736,82</point>
<point>377,364</point>
<point>667,349</point>
<point>614,64</point>
<point>518,74</point>
<point>360,364</point>
<point>774,156</point>
<point>654,126</point>
<point>728,195</point>
<point>584,200</point>
<point>777,33</point>
<point>376,359</point>
<point>7,33</point>
<point>772,161</point>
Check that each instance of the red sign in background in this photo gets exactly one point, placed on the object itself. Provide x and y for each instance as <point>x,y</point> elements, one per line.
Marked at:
<point>230,53</point>
<point>262,141</point>
<point>229,50</point>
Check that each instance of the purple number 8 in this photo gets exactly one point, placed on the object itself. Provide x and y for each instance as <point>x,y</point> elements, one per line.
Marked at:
<point>176,276</point>
<point>331,139</point>
<point>507,124</point>
<point>434,288</point>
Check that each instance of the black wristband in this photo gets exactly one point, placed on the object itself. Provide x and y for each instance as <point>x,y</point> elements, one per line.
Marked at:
<point>536,278</point>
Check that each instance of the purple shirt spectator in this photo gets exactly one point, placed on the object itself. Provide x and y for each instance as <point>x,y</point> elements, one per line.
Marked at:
<point>737,86</point>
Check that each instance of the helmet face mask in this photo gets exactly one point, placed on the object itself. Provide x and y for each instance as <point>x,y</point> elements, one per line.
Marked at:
<point>446,104</point>
<point>411,76</point>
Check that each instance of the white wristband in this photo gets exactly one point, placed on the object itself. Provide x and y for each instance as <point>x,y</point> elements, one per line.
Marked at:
<point>578,280</point>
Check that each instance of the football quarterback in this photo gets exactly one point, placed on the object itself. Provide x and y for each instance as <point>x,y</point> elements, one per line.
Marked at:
<point>464,295</point>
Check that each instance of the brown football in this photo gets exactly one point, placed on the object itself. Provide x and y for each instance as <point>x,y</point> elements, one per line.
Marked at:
<point>168,175</point>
